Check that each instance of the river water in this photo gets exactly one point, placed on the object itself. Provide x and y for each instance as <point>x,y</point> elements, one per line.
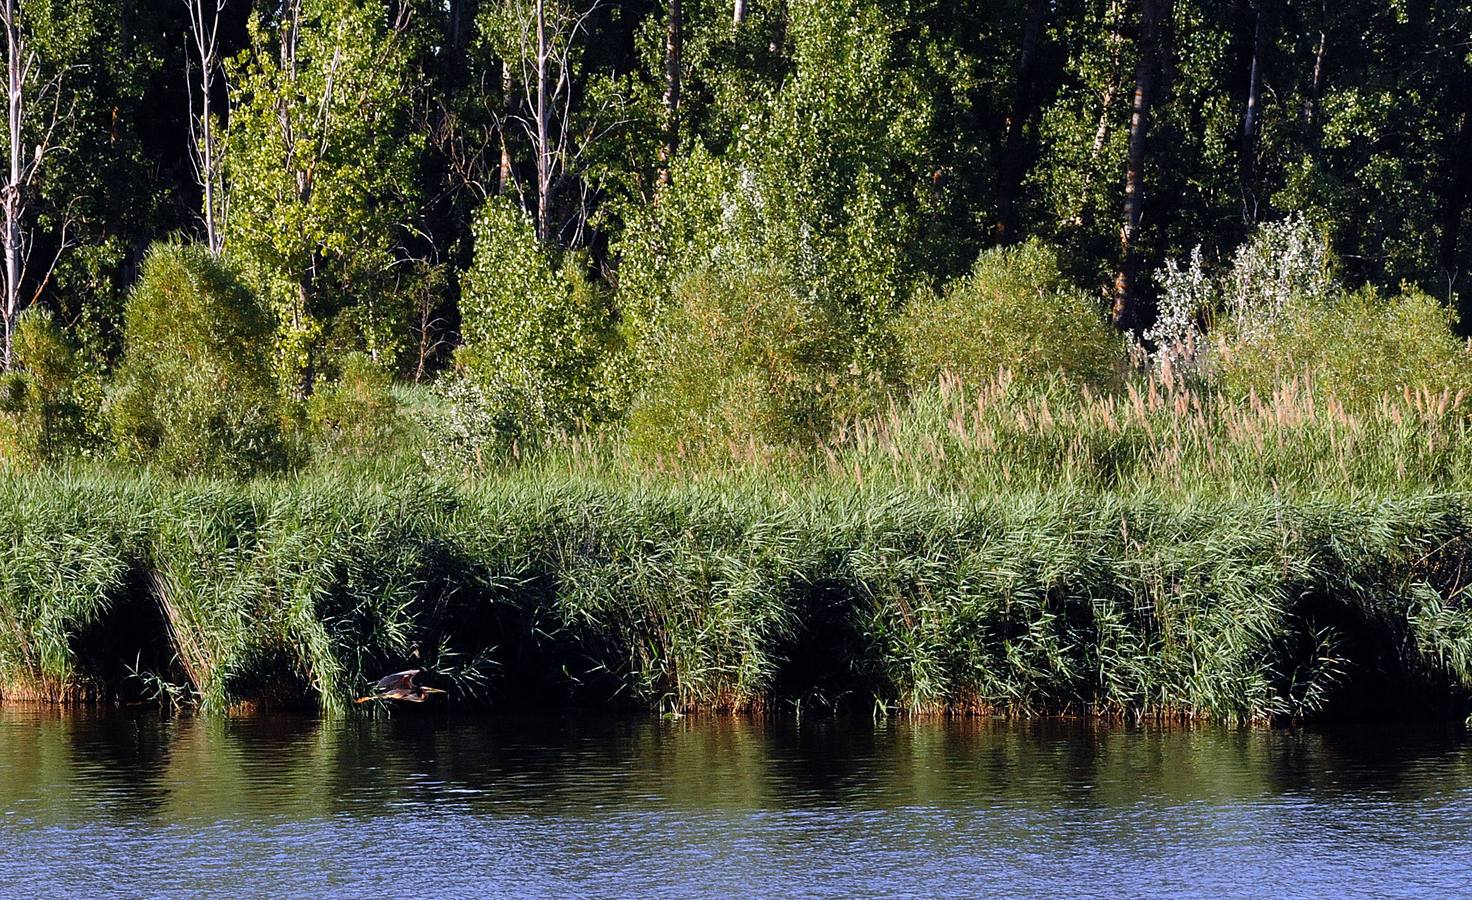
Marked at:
<point>434,805</point>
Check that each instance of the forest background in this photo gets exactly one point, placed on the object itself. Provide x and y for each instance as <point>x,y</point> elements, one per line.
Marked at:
<point>636,213</point>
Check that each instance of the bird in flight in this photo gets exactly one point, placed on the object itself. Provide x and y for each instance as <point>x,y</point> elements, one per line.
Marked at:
<point>400,686</point>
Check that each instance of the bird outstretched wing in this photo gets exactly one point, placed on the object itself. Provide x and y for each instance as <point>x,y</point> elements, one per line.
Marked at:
<point>399,681</point>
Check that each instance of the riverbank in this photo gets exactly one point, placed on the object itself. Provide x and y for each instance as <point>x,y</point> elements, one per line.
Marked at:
<point>532,588</point>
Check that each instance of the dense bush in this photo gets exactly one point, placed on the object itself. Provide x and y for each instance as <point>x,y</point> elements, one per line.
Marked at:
<point>1279,316</point>
<point>1355,348</point>
<point>468,426</point>
<point>1283,270</point>
<point>355,414</point>
<point>1015,311</point>
<point>194,391</point>
<point>49,405</point>
<point>817,198</point>
<point>744,360</point>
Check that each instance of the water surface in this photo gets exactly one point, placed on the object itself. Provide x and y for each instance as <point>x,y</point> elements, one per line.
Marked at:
<point>435,805</point>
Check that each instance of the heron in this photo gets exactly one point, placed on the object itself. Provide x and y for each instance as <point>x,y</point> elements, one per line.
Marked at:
<point>400,686</point>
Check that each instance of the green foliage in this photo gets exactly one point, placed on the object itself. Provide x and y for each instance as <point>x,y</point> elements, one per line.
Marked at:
<point>1281,316</point>
<point>1017,312</point>
<point>355,414</point>
<point>100,98</point>
<point>1354,348</point>
<point>538,332</point>
<point>1381,134</point>
<point>672,594</point>
<point>746,361</point>
<point>321,178</point>
<point>49,406</point>
<point>194,391</point>
<point>819,197</point>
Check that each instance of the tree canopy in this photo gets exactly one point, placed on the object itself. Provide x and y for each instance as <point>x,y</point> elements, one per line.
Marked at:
<point>542,181</point>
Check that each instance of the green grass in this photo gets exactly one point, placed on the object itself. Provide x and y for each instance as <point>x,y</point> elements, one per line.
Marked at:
<point>1014,551</point>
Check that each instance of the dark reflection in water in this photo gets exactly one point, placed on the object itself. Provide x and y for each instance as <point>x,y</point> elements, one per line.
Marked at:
<point>429,806</point>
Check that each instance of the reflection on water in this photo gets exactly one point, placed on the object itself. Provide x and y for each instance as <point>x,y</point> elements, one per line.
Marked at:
<point>432,805</point>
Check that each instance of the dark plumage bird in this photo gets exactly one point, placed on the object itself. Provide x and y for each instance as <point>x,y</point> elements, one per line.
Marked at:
<point>400,686</point>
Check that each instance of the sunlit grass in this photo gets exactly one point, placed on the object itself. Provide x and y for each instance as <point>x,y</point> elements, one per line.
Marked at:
<point>1005,549</point>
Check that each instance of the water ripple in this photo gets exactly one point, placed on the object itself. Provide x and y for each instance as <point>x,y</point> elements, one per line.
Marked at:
<point>107,803</point>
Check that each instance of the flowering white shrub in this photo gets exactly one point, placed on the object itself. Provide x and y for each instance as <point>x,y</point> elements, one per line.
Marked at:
<point>475,422</point>
<point>1282,270</point>
<point>1283,267</point>
<point>1186,294</point>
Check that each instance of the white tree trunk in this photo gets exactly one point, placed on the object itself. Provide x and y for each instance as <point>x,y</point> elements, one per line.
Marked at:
<point>11,196</point>
<point>204,22</point>
<point>674,42</point>
<point>544,149</point>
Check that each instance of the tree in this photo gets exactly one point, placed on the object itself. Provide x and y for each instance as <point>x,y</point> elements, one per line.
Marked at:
<point>323,177</point>
<point>1251,112</point>
<point>30,140</point>
<point>124,177</point>
<point>674,43</point>
<point>1372,152</point>
<point>204,27</point>
<point>539,39</point>
<point>1011,166</point>
<point>1073,184</point>
<point>1154,15</point>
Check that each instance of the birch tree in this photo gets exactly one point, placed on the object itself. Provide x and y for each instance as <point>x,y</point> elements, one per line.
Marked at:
<point>205,145</point>
<point>540,39</point>
<point>673,49</point>
<point>33,111</point>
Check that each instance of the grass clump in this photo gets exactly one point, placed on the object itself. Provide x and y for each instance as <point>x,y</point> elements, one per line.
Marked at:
<point>1160,437</point>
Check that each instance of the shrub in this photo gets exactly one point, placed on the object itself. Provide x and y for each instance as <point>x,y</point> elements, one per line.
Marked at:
<point>1356,348</point>
<point>1176,342</point>
<point>539,333</point>
<point>356,414</point>
<point>1282,269</point>
<point>1280,317</point>
<point>48,404</point>
<point>747,359</point>
<point>467,426</point>
<point>194,391</point>
<point>1015,311</point>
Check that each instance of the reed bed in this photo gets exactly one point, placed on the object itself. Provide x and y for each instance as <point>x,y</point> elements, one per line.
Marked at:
<point>1007,551</point>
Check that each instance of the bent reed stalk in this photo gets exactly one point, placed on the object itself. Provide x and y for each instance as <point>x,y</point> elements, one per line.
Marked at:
<point>1004,551</point>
